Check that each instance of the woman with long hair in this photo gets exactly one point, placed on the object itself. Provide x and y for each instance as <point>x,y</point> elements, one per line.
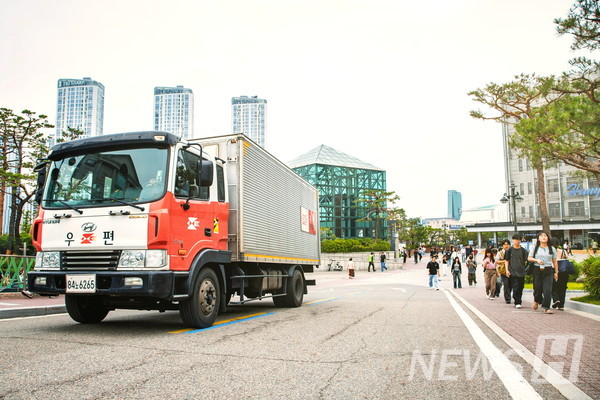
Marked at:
<point>545,271</point>
<point>490,273</point>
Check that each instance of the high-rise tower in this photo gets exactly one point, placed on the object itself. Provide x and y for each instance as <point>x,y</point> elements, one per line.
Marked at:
<point>249,117</point>
<point>174,110</point>
<point>80,105</point>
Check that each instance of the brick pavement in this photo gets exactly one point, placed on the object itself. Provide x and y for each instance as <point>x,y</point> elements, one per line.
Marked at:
<point>538,332</point>
<point>532,327</point>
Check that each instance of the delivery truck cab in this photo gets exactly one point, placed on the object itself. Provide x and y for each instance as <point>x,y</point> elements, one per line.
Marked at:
<point>148,221</point>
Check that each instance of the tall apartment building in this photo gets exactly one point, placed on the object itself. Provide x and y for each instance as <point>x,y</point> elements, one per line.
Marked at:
<point>249,117</point>
<point>454,204</point>
<point>80,105</point>
<point>174,110</point>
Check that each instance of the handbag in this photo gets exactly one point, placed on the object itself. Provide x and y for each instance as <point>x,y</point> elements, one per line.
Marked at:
<point>566,266</point>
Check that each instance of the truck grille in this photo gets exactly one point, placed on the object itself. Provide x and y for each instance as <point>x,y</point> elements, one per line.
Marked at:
<point>90,260</point>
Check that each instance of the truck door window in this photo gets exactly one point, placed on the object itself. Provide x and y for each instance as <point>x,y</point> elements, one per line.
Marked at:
<point>185,178</point>
<point>220,183</point>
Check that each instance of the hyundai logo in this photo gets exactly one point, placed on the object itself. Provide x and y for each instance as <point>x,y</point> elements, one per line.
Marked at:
<point>88,227</point>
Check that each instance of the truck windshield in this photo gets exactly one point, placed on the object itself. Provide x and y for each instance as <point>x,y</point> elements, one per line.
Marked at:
<point>106,178</point>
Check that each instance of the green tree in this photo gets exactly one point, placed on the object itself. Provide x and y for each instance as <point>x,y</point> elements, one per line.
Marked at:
<point>22,145</point>
<point>513,102</point>
<point>583,22</point>
<point>377,205</point>
<point>567,130</point>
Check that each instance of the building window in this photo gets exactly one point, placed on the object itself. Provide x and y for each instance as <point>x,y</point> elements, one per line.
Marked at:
<point>529,187</point>
<point>552,186</point>
<point>521,188</point>
<point>554,209</point>
<point>528,164</point>
<point>576,209</point>
<point>595,208</point>
<point>520,165</point>
<point>523,213</point>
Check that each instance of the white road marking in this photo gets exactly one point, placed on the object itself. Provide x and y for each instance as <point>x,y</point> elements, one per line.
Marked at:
<point>515,383</point>
<point>563,385</point>
<point>8,304</point>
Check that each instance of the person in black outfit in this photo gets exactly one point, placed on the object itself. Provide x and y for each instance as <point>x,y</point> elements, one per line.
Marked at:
<point>516,257</point>
<point>456,270</point>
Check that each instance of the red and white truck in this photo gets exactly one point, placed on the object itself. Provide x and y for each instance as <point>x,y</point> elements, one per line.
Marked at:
<point>148,221</point>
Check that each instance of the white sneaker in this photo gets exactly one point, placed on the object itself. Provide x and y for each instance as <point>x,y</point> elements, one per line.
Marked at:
<point>491,298</point>
<point>517,306</point>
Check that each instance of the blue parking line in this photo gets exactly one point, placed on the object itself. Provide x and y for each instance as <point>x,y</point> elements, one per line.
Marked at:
<point>228,323</point>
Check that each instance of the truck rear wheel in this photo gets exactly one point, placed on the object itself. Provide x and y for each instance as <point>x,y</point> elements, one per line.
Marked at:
<point>201,308</point>
<point>86,309</point>
<point>294,292</point>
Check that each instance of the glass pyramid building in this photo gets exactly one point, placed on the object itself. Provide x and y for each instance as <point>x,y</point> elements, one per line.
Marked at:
<point>341,179</point>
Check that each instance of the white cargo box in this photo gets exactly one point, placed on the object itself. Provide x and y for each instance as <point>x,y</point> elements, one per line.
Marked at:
<point>273,211</point>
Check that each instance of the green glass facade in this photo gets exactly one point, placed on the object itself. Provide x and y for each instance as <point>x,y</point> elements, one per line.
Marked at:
<point>339,187</point>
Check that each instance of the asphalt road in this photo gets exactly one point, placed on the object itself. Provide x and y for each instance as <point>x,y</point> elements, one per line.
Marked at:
<point>380,336</point>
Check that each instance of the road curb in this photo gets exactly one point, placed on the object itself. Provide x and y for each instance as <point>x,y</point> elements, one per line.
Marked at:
<point>585,307</point>
<point>31,311</point>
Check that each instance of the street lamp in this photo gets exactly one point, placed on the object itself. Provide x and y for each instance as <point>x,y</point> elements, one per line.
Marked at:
<point>515,196</point>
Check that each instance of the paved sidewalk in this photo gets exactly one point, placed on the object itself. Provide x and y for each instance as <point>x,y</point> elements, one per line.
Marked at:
<point>540,333</point>
<point>13,305</point>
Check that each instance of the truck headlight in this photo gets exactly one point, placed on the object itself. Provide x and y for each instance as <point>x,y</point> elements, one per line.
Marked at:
<point>143,258</point>
<point>47,259</point>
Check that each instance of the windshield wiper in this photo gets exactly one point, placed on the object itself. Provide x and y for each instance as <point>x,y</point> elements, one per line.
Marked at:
<point>66,204</point>
<point>120,201</point>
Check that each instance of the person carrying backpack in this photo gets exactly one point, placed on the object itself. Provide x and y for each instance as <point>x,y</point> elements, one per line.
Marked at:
<point>516,261</point>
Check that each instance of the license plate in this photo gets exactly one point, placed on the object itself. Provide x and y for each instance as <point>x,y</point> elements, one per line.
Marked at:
<point>81,283</point>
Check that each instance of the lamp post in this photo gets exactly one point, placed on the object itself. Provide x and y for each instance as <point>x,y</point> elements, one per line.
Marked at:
<point>515,196</point>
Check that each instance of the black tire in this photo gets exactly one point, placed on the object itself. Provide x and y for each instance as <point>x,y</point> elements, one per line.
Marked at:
<point>200,310</point>
<point>294,293</point>
<point>86,309</point>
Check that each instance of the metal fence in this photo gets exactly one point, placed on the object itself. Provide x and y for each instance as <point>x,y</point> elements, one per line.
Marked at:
<point>13,272</point>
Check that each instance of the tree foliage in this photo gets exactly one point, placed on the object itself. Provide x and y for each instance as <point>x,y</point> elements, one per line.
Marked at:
<point>513,102</point>
<point>23,144</point>
<point>567,130</point>
<point>378,205</point>
<point>583,22</point>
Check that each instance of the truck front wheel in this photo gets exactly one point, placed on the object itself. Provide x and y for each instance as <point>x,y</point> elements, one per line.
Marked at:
<point>294,292</point>
<point>86,309</point>
<point>201,308</point>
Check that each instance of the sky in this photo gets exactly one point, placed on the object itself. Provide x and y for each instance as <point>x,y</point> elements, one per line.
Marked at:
<point>384,81</point>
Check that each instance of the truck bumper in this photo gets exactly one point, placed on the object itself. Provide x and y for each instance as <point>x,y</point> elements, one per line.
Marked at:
<point>156,284</point>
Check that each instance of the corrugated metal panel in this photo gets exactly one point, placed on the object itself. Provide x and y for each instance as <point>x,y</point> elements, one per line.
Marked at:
<point>265,200</point>
<point>272,197</point>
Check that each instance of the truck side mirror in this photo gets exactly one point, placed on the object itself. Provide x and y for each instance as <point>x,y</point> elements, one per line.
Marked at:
<point>41,170</point>
<point>205,173</point>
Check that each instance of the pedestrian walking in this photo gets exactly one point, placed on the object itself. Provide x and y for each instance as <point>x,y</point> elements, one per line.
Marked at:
<point>502,267</point>
<point>444,264</point>
<point>490,273</point>
<point>382,261</point>
<point>456,272</point>
<point>545,271</point>
<point>416,255</point>
<point>559,287</point>
<point>434,273</point>
<point>371,262</point>
<point>350,269</point>
<point>516,259</point>
<point>420,253</point>
<point>468,250</point>
<point>463,254</point>
<point>404,255</point>
<point>472,269</point>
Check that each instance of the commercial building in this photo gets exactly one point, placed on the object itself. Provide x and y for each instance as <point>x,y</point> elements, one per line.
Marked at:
<point>573,200</point>
<point>80,105</point>
<point>249,114</point>
<point>174,110</point>
<point>454,204</point>
<point>341,180</point>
